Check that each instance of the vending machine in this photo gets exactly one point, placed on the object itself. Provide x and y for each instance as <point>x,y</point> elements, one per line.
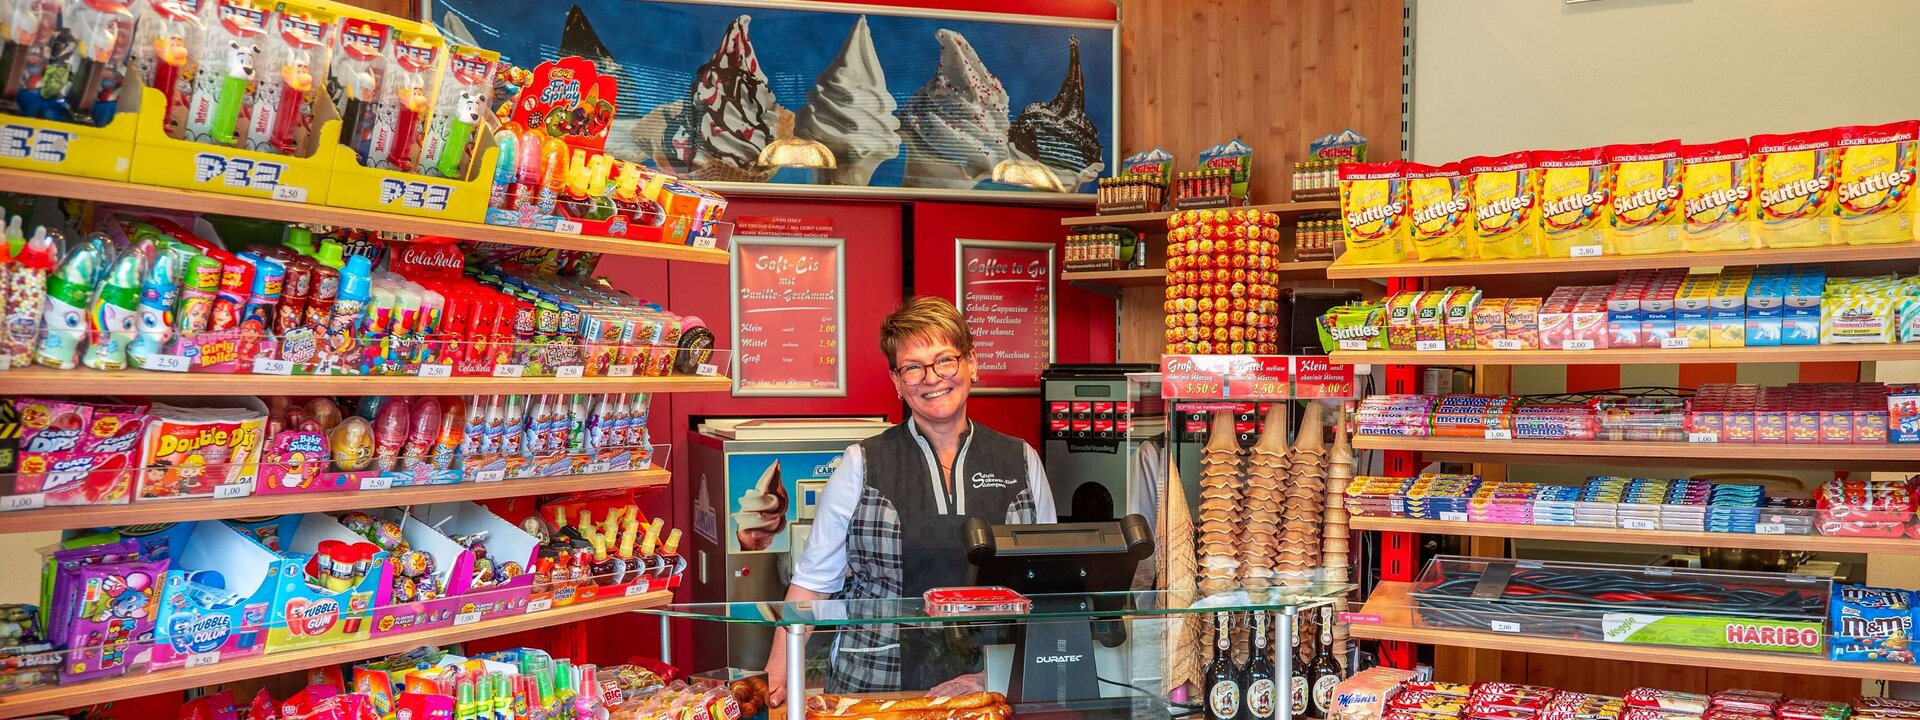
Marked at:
<point>756,484</point>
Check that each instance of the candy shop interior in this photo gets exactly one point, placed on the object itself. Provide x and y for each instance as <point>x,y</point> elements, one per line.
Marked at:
<point>486,360</point>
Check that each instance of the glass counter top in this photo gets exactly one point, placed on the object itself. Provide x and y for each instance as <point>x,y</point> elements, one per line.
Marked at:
<point>1097,605</point>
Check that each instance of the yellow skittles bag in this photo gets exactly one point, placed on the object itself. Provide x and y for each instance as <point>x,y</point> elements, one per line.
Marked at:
<point>1573,192</point>
<point>1793,175</point>
<point>1716,194</point>
<point>1438,205</point>
<point>1643,216</point>
<point>1506,193</point>
<point>1373,202</point>
<point>1875,175</point>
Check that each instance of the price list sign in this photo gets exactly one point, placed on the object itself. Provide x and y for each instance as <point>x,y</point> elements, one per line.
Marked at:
<point>789,300</point>
<point>1006,294</point>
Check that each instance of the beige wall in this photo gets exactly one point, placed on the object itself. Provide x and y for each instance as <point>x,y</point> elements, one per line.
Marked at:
<point>1494,76</point>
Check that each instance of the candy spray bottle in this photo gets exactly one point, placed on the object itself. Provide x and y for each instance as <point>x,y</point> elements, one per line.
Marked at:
<point>389,434</point>
<point>27,294</point>
<point>113,318</point>
<point>68,291</point>
<point>159,291</point>
<point>423,433</point>
<point>505,171</point>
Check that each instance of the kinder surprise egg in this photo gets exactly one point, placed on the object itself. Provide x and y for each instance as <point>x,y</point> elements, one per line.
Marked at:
<point>352,443</point>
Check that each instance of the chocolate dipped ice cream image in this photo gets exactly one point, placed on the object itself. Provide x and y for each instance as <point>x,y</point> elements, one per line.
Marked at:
<point>1057,132</point>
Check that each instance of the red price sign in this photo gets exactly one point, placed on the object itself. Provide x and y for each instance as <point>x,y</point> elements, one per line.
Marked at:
<point>1315,377</point>
<point>788,306</point>
<point>1231,377</point>
<point>1006,295</point>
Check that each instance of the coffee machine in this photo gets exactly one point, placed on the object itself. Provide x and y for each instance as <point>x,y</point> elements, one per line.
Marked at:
<point>1086,420</point>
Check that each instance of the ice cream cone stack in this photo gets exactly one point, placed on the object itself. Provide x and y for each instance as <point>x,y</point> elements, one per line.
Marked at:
<point>1183,665</point>
<point>1221,513</point>
<point>1334,532</point>
<point>1260,533</point>
<point>1304,501</point>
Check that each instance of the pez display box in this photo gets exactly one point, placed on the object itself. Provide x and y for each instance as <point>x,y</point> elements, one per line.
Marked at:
<point>308,615</point>
<point>474,588</point>
<point>216,597</point>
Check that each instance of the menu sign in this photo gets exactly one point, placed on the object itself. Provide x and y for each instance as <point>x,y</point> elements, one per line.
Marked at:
<point>788,304</point>
<point>1006,294</point>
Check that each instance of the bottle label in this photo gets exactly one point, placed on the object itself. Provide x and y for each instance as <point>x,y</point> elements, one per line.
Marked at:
<point>1299,696</point>
<point>1224,699</point>
<point>1323,694</point>
<point>1260,698</point>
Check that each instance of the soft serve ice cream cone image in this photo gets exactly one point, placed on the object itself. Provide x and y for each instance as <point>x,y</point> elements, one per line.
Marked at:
<point>731,115</point>
<point>955,126</point>
<point>850,112</point>
<point>1057,132</point>
<point>763,512</point>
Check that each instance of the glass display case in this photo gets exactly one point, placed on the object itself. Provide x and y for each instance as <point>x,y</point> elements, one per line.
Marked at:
<point>1104,654</point>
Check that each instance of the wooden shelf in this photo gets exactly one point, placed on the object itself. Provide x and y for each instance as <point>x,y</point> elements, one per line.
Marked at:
<point>36,183</point>
<point>1636,356</point>
<point>137,684</point>
<point>81,381</point>
<point>1152,277</point>
<point>1158,220</point>
<point>1390,603</point>
<point>165,511</point>
<point>1342,269</point>
<point>1589,452</point>
<point>1640,537</point>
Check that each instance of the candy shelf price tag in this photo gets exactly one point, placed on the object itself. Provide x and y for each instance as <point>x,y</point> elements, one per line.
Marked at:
<point>1353,344</point>
<point>705,241</point>
<point>168,363</point>
<point>270,366</point>
<point>1453,516</point>
<point>1638,524</point>
<point>1504,626</point>
<point>29,501</point>
<point>1769,528</point>
<point>378,482</point>
<point>436,371</point>
<point>1576,345</point>
<point>638,588</point>
<point>232,490</point>
<point>567,227</point>
<point>1507,344</point>
<point>569,371</point>
<point>707,370</point>
<point>1703,437</point>
<point>1585,251</point>
<point>1430,346</point>
<point>290,193</point>
<point>509,371</point>
<point>466,618</point>
<point>595,468</point>
<point>1499,434</point>
<point>541,605</point>
<point>489,476</point>
<point>620,371</point>
<point>1675,343</point>
<point>202,659</point>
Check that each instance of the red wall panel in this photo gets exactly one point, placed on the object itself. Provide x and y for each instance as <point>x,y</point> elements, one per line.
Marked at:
<point>1083,321</point>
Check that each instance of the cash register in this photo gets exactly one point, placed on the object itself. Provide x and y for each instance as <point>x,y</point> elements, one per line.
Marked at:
<point>1053,660</point>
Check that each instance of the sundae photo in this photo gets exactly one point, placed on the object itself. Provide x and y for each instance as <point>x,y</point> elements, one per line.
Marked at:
<point>1057,132</point>
<point>850,112</point>
<point>763,512</point>
<point>730,115</point>
<point>955,126</point>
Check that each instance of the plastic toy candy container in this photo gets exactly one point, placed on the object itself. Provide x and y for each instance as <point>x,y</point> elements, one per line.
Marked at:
<point>465,92</point>
<point>77,74</point>
<point>228,53</point>
<point>296,51</point>
<point>400,110</point>
<point>169,30</point>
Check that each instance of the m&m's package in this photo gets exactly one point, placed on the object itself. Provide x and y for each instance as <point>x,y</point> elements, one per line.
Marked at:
<point>1871,624</point>
<point>1876,177</point>
<point>1793,176</point>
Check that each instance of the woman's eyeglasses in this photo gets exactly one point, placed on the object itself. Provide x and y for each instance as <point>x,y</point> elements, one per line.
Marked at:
<point>914,373</point>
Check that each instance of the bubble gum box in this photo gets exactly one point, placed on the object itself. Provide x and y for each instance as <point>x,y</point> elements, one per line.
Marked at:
<point>1793,178</point>
<point>1505,203</point>
<point>1573,194</point>
<point>1876,178</point>
<point>1373,202</point>
<point>1903,413</point>
<point>1643,212</point>
<point>1490,323</point>
<point>1438,206</point>
<point>1716,194</point>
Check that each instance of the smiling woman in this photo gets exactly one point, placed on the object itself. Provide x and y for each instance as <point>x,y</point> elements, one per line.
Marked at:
<point>904,495</point>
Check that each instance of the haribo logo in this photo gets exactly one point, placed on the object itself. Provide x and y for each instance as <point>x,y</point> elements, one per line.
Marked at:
<point>1747,634</point>
<point>424,196</point>
<point>237,172</point>
<point>22,142</point>
<point>198,633</point>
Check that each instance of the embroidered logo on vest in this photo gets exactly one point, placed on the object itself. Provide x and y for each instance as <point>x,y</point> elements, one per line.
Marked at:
<point>990,480</point>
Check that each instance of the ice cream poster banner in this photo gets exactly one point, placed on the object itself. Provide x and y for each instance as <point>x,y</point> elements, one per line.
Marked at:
<point>788,306</point>
<point>760,488</point>
<point>898,98</point>
<point>1006,294</point>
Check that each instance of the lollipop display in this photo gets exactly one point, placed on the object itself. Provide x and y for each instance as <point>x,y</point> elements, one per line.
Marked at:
<point>1223,294</point>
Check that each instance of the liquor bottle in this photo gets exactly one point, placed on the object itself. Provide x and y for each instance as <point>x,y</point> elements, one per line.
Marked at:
<point>1299,686</point>
<point>1222,680</point>
<point>1324,670</point>
<point>1258,675</point>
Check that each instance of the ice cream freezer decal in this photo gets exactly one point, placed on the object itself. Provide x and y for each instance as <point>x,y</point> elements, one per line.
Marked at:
<point>899,97</point>
<point>767,492</point>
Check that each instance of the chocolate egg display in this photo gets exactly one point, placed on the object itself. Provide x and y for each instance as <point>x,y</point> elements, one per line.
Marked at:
<point>324,412</point>
<point>352,443</point>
